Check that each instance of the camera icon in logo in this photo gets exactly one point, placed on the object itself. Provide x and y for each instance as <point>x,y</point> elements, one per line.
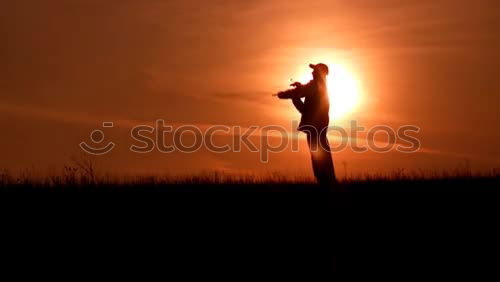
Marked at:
<point>97,137</point>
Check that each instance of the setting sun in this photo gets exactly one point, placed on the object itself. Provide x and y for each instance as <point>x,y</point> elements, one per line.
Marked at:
<point>343,88</point>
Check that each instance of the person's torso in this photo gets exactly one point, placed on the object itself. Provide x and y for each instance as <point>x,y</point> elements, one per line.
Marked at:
<point>316,107</point>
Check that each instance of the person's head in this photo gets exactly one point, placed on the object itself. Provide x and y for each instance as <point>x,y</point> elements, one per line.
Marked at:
<point>319,71</point>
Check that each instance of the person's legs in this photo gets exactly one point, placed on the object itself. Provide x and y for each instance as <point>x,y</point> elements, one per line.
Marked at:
<point>321,157</point>
<point>327,169</point>
<point>317,156</point>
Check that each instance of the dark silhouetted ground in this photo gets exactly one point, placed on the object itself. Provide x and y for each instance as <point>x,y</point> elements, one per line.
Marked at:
<point>250,229</point>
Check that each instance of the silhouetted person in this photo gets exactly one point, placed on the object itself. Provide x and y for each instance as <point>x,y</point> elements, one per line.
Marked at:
<point>315,119</point>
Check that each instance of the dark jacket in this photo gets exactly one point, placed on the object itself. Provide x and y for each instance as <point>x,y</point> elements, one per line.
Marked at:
<point>315,107</point>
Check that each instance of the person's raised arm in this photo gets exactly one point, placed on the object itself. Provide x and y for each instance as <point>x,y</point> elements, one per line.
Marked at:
<point>299,91</point>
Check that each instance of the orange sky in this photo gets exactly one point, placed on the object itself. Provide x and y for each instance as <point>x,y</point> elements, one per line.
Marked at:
<point>70,65</point>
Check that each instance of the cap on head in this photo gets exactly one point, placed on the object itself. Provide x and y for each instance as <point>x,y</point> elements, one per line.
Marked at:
<point>322,68</point>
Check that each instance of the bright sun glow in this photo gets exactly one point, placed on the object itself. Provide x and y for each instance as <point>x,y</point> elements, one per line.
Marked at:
<point>343,88</point>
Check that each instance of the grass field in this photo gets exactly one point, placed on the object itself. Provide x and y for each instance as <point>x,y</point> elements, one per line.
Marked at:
<point>221,224</point>
<point>84,174</point>
<point>396,188</point>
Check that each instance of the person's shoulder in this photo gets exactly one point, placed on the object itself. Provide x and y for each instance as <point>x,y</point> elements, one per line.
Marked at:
<point>310,84</point>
